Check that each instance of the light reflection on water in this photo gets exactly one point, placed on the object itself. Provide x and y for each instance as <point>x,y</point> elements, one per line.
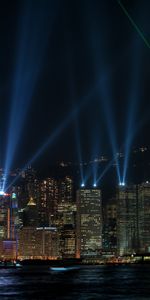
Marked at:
<point>86,283</point>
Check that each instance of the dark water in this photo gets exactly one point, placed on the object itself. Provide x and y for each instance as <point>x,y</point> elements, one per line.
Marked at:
<point>100,282</point>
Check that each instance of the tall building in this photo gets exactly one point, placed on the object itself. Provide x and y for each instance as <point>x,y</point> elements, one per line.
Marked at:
<point>127,220</point>
<point>66,218</point>
<point>30,214</point>
<point>110,227</point>
<point>28,186</point>
<point>89,223</point>
<point>8,225</point>
<point>4,217</point>
<point>65,190</point>
<point>14,217</point>
<point>47,201</point>
<point>144,217</point>
<point>66,224</point>
<point>36,241</point>
<point>133,219</point>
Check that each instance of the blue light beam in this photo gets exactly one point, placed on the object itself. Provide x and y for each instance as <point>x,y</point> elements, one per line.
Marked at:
<point>72,90</point>
<point>106,106</point>
<point>134,98</point>
<point>35,26</point>
<point>56,133</point>
<point>130,137</point>
<point>96,43</point>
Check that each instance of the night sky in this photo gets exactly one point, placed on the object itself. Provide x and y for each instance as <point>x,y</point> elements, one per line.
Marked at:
<point>61,56</point>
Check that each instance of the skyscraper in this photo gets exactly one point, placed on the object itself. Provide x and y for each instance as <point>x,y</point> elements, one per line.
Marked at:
<point>66,217</point>
<point>144,216</point>
<point>8,225</point>
<point>30,214</point>
<point>47,201</point>
<point>66,223</point>
<point>110,227</point>
<point>89,223</point>
<point>127,219</point>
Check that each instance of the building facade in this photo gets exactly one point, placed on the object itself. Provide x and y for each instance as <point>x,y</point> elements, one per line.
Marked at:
<point>110,228</point>
<point>89,223</point>
<point>144,217</point>
<point>127,220</point>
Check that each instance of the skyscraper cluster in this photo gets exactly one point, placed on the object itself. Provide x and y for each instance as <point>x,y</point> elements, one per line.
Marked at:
<point>51,219</point>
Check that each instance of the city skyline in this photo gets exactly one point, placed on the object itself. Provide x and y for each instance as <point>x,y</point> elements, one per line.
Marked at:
<point>74,149</point>
<point>56,219</point>
<point>76,109</point>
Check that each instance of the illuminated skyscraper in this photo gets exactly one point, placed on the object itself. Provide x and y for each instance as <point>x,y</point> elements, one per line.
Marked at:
<point>66,218</point>
<point>14,218</point>
<point>127,220</point>
<point>36,241</point>
<point>89,223</point>
<point>144,217</point>
<point>47,201</point>
<point>65,190</point>
<point>27,187</point>
<point>8,225</point>
<point>4,217</point>
<point>66,227</point>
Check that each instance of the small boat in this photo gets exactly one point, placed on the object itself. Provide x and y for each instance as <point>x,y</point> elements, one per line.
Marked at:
<point>63,269</point>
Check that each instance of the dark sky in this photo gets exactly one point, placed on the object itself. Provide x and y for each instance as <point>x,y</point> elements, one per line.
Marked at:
<point>60,55</point>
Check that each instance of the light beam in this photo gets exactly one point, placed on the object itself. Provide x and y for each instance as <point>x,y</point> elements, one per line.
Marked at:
<point>135,26</point>
<point>34,28</point>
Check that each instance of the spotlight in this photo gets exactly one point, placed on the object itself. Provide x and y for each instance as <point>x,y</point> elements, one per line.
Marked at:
<point>122,183</point>
<point>82,184</point>
<point>2,193</point>
<point>94,185</point>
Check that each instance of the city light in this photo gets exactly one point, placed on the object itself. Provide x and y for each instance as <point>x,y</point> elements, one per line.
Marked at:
<point>94,185</point>
<point>122,183</point>
<point>82,184</point>
<point>14,196</point>
<point>2,193</point>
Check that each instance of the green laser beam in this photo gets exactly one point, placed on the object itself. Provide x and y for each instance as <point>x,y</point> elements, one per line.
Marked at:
<point>134,24</point>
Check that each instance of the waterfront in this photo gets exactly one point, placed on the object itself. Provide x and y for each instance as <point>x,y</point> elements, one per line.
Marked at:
<point>86,283</point>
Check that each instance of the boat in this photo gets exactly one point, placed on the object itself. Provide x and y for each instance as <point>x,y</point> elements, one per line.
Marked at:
<point>65,268</point>
<point>65,265</point>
